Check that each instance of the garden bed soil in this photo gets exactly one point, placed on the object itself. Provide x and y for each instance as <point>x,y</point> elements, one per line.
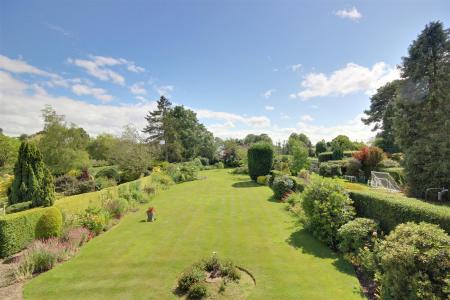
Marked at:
<point>9,288</point>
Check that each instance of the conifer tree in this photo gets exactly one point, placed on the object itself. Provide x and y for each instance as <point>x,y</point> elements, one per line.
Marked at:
<point>32,180</point>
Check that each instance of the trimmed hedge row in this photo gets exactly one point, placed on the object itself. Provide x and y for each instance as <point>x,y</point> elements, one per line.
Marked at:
<point>391,210</point>
<point>326,156</point>
<point>19,229</point>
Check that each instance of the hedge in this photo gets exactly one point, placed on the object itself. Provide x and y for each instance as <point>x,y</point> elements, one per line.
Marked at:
<point>391,210</point>
<point>326,156</point>
<point>18,230</point>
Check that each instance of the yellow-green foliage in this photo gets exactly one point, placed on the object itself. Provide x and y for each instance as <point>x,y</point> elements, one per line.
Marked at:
<point>50,223</point>
<point>18,230</point>
<point>261,180</point>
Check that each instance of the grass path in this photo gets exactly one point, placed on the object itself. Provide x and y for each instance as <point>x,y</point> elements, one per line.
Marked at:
<point>223,213</point>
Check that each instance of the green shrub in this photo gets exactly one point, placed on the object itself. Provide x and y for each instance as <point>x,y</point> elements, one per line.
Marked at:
<point>282,185</point>
<point>21,206</point>
<point>260,159</point>
<point>327,207</point>
<point>109,172</point>
<point>331,168</point>
<point>355,235</point>
<point>219,165</point>
<point>229,270</point>
<point>95,219</point>
<point>261,180</point>
<point>198,291</point>
<point>414,263</point>
<point>18,230</point>
<point>50,223</point>
<point>104,182</point>
<point>115,207</point>
<point>390,210</point>
<point>189,278</point>
<point>241,170</point>
<point>183,171</point>
<point>204,161</point>
<point>353,167</point>
<point>398,157</point>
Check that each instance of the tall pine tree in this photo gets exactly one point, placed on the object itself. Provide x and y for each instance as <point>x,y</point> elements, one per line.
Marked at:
<point>32,179</point>
<point>422,122</point>
<point>158,125</point>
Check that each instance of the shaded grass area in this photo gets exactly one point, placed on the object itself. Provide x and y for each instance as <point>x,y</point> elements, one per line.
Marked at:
<point>224,213</point>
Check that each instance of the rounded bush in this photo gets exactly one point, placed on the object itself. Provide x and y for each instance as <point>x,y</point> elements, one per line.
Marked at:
<point>109,172</point>
<point>189,278</point>
<point>357,234</point>
<point>261,180</point>
<point>50,223</point>
<point>282,185</point>
<point>414,262</point>
<point>353,167</point>
<point>260,160</point>
<point>198,291</point>
<point>327,207</point>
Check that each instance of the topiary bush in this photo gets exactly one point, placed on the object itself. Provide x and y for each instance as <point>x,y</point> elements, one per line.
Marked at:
<point>260,160</point>
<point>414,263</point>
<point>50,224</point>
<point>327,207</point>
<point>355,235</point>
<point>282,185</point>
<point>261,180</point>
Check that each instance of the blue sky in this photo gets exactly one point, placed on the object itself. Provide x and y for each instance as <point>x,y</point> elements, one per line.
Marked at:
<point>244,66</point>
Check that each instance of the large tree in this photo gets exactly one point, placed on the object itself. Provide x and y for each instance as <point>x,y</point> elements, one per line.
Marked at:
<point>381,115</point>
<point>159,125</point>
<point>422,122</point>
<point>302,138</point>
<point>32,180</point>
<point>62,145</point>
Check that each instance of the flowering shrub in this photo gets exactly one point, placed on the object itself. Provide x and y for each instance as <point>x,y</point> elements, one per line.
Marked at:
<point>94,219</point>
<point>116,207</point>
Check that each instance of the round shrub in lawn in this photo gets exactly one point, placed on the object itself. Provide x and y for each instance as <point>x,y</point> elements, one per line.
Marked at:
<point>282,185</point>
<point>414,262</point>
<point>260,159</point>
<point>261,180</point>
<point>355,235</point>
<point>198,291</point>
<point>50,224</point>
<point>327,207</point>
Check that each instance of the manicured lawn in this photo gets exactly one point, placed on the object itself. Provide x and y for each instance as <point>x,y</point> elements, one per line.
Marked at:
<point>223,213</point>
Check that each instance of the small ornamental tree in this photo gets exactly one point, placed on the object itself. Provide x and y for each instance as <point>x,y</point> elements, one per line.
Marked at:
<point>32,180</point>
<point>260,160</point>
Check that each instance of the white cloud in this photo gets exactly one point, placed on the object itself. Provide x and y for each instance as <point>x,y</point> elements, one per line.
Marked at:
<point>350,79</point>
<point>255,121</point>
<point>97,67</point>
<point>138,89</point>
<point>306,118</point>
<point>268,107</point>
<point>164,90</point>
<point>20,66</point>
<point>352,14</point>
<point>58,29</point>
<point>21,110</point>
<point>295,68</point>
<point>267,94</point>
<point>100,94</point>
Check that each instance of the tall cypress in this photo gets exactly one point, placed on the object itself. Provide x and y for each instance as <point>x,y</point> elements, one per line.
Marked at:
<point>32,180</point>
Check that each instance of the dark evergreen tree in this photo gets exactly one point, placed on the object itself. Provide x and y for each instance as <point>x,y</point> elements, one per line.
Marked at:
<point>321,146</point>
<point>32,180</point>
<point>158,125</point>
<point>422,122</point>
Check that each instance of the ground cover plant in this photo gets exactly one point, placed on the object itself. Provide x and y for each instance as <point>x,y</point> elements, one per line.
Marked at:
<point>195,219</point>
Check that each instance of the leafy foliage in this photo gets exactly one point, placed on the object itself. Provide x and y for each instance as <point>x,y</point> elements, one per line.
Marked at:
<point>282,185</point>
<point>50,223</point>
<point>414,263</point>
<point>327,207</point>
<point>260,160</point>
